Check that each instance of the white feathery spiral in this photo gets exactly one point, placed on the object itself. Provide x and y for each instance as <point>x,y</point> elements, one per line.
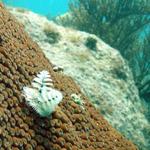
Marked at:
<point>41,96</point>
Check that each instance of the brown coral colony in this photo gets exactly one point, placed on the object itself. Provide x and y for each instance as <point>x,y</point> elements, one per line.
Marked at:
<point>69,128</point>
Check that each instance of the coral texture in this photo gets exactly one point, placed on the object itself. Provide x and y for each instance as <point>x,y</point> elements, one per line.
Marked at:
<point>69,128</point>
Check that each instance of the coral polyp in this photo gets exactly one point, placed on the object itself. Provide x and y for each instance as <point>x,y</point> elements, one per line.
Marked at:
<point>41,96</point>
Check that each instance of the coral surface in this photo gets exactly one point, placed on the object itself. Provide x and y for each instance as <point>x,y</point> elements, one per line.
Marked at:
<point>69,128</point>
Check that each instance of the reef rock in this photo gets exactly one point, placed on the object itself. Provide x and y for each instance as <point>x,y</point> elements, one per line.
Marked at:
<point>101,72</point>
<point>70,127</point>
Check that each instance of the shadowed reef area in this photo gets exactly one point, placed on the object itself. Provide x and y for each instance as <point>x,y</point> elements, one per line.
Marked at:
<point>69,128</point>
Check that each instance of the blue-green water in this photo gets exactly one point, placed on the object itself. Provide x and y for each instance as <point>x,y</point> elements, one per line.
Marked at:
<point>44,7</point>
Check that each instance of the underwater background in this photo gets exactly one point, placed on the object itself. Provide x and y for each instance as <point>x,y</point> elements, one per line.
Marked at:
<point>105,48</point>
<point>47,7</point>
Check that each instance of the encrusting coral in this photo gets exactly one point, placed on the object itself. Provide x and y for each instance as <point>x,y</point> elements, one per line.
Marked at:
<point>69,128</point>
